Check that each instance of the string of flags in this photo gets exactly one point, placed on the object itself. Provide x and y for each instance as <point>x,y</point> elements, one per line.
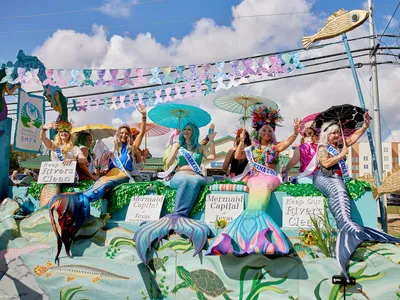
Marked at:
<point>248,69</point>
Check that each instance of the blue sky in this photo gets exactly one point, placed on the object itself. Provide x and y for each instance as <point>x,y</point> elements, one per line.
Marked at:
<point>17,36</point>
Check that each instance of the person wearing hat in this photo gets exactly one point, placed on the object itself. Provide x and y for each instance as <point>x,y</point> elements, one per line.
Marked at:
<point>247,234</point>
<point>62,149</point>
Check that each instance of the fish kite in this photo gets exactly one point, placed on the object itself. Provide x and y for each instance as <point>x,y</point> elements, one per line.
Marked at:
<point>340,22</point>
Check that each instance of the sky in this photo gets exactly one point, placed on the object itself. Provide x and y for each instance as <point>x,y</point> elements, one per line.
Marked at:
<point>131,34</point>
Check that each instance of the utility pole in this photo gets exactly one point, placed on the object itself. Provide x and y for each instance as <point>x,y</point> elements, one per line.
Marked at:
<point>375,93</point>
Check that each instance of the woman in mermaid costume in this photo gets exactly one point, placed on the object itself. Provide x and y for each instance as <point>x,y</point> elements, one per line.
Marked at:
<point>330,179</point>
<point>183,162</point>
<point>306,154</point>
<point>73,208</point>
<point>253,231</point>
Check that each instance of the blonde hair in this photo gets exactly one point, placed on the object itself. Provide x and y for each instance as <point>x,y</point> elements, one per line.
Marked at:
<point>129,144</point>
<point>66,147</point>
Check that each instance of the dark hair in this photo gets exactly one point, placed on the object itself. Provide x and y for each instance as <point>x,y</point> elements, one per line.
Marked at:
<point>247,140</point>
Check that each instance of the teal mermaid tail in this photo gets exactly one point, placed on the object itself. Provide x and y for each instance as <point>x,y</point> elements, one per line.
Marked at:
<point>73,208</point>
<point>196,231</point>
<point>254,231</point>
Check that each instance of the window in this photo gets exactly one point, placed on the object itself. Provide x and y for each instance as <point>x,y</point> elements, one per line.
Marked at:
<point>356,160</point>
<point>357,167</point>
<point>386,158</point>
<point>385,149</point>
<point>365,158</point>
<point>365,167</point>
<point>396,160</point>
<point>386,167</point>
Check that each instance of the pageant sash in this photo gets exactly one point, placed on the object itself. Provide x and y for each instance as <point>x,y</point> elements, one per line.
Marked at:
<point>117,162</point>
<point>190,160</point>
<point>260,168</point>
<point>342,164</point>
<point>312,165</point>
<point>60,158</point>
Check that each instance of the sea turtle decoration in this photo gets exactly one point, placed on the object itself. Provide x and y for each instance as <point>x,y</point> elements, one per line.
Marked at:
<point>158,263</point>
<point>202,281</point>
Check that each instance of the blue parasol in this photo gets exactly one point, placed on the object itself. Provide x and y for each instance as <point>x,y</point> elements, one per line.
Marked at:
<point>177,115</point>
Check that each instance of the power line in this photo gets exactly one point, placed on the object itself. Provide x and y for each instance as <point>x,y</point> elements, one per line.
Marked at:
<point>391,18</point>
<point>74,11</point>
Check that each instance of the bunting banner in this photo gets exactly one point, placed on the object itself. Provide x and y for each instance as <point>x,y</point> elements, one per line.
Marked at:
<point>237,71</point>
<point>30,119</point>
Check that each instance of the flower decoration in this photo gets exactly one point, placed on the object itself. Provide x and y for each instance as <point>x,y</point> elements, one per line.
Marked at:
<point>64,126</point>
<point>134,131</point>
<point>268,156</point>
<point>264,115</point>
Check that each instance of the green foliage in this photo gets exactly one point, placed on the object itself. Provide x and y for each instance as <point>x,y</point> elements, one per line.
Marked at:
<point>68,293</point>
<point>324,234</point>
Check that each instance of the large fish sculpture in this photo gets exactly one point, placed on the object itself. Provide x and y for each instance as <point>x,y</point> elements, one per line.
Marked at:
<point>74,271</point>
<point>340,22</point>
<point>391,184</point>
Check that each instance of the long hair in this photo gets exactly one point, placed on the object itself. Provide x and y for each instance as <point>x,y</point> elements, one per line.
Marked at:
<point>82,140</point>
<point>326,129</point>
<point>247,140</point>
<point>256,135</point>
<point>129,143</point>
<point>66,147</point>
<point>194,139</point>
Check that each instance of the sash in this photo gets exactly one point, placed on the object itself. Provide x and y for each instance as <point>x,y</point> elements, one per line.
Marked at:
<point>190,160</point>
<point>332,151</point>
<point>60,158</point>
<point>91,165</point>
<point>117,162</point>
<point>260,168</point>
<point>312,165</point>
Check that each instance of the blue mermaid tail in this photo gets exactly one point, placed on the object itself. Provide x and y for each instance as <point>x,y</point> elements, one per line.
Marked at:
<point>188,186</point>
<point>253,231</point>
<point>350,234</point>
<point>73,208</point>
<point>196,231</point>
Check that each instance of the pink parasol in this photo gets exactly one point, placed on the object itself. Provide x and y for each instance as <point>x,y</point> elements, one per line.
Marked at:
<point>307,122</point>
<point>152,129</point>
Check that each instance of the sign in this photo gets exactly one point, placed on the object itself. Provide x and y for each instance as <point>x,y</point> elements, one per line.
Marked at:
<point>144,208</point>
<point>30,119</point>
<point>227,206</point>
<point>56,172</point>
<point>217,164</point>
<point>297,210</point>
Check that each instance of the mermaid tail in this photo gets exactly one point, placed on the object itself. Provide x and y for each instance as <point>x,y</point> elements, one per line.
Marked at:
<point>196,231</point>
<point>48,191</point>
<point>253,231</point>
<point>113,178</point>
<point>350,234</point>
<point>73,209</point>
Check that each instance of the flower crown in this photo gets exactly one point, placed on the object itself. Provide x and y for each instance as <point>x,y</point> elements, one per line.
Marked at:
<point>134,131</point>
<point>264,115</point>
<point>64,126</point>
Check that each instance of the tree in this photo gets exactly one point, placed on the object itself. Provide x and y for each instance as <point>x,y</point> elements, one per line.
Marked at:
<point>18,156</point>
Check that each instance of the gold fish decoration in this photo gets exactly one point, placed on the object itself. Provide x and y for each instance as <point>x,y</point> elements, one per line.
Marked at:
<point>73,271</point>
<point>340,22</point>
<point>391,184</point>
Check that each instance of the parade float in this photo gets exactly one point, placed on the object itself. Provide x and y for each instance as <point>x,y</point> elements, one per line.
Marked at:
<point>106,259</point>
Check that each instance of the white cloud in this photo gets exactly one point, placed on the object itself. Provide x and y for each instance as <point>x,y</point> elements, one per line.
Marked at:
<point>208,42</point>
<point>393,23</point>
<point>118,8</point>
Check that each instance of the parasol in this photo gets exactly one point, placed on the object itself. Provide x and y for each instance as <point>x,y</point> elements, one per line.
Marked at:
<point>307,122</point>
<point>347,116</point>
<point>152,129</point>
<point>98,131</point>
<point>177,115</point>
<point>240,104</point>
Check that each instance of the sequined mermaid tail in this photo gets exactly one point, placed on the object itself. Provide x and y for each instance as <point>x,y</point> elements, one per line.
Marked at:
<point>350,234</point>
<point>73,208</point>
<point>188,187</point>
<point>253,231</point>
<point>49,191</point>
